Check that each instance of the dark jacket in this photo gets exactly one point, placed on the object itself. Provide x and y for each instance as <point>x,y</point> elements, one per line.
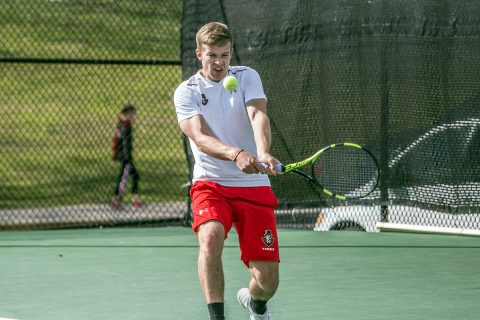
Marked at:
<point>122,143</point>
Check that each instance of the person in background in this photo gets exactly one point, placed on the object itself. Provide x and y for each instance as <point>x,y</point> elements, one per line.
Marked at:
<point>122,146</point>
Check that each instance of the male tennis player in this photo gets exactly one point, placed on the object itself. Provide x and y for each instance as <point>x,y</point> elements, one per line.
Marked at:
<point>230,137</point>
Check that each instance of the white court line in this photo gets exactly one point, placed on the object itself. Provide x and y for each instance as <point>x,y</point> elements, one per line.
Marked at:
<point>399,227</point>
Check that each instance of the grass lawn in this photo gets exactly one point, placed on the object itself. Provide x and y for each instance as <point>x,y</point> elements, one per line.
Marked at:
<point>57,120</point>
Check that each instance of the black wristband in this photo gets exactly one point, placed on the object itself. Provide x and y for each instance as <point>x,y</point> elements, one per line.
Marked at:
<point>236,156</point>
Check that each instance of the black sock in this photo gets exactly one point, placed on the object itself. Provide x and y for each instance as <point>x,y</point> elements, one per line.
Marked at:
<point>216,311</point>
<point>258,306</point>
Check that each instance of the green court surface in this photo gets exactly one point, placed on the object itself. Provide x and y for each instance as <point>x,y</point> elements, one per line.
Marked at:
<point>150,273</point>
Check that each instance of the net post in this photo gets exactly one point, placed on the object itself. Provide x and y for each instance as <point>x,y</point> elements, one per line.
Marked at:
<point>384,126</point>
<point>188,217</point>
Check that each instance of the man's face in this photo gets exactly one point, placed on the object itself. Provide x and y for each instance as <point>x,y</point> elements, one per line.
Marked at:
<point>215,61</point>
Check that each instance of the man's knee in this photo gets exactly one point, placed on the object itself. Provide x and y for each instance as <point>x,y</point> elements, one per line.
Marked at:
<point>211,238</point>
<point>266,275</point>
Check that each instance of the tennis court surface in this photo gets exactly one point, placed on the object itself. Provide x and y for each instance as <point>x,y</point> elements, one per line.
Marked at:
<point>150,273</point>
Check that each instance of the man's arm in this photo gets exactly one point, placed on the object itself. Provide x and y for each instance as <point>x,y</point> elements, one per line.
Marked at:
<point>257,112</point>
<point>198,130</point>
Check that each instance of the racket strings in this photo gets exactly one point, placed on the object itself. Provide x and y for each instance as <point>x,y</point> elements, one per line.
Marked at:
<point>346,171</point>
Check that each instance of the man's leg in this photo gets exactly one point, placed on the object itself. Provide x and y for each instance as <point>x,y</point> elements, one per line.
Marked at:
<point>257,232</point>
<point>262,287</point>
<point>210,270</point>
<point>265,279</point>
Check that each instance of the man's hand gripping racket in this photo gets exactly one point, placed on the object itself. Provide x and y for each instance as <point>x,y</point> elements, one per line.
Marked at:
<point>343,170</point>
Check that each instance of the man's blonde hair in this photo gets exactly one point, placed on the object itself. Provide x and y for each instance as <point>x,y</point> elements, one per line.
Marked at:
<point>214,34</point>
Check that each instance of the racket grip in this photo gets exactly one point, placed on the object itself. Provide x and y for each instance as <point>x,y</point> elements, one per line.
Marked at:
<point>280,167</point>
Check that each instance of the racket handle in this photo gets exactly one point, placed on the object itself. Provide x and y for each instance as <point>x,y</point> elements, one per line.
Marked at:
<point>280,167</point>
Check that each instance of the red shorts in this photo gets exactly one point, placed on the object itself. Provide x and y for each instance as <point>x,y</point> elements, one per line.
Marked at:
<point>250,209</point>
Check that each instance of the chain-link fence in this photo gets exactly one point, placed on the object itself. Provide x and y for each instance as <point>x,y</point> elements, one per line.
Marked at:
<point>66,70</point>
<point>399,77</point>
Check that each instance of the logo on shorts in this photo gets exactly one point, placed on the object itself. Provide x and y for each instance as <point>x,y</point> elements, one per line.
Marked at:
<point>268,238</point>
<point>202,211</point>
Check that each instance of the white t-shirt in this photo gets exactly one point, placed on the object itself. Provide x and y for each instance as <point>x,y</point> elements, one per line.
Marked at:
<point>226,115</point>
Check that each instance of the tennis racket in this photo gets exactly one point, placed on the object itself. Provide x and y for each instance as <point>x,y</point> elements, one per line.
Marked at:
<point>343,170</point>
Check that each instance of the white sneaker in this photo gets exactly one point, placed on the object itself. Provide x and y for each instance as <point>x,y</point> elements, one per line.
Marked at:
<point>244,298</point>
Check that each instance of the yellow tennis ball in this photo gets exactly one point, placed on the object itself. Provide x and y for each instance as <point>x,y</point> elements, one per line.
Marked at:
<point>230,83</point>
